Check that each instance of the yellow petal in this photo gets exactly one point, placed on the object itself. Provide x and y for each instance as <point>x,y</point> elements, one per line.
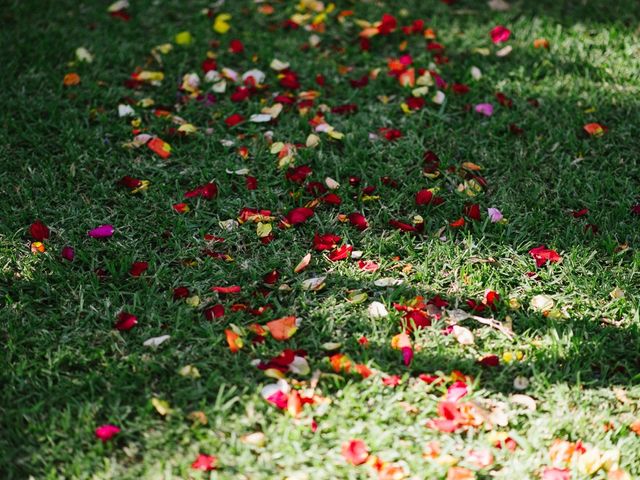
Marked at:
<point>161,406</point>
<point>220,24</point>
<point>149,76</point>
<point>263,229</point>
<point>184,38</point>
<point>187,128</point>
<point>312,140</point>
<point>165,47</point>
<point>190,371</point>
<point>193,301</point>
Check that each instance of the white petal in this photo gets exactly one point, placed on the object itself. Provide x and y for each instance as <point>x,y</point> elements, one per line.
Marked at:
<point>257,75</point>
<point>260,118</point>
<point>388,282</point>
<point>125,111</point>
<point>156,341</point>
<point>438,98</point>
<point>299,366</point>
<point>377,310</point>
<point>278,65</point>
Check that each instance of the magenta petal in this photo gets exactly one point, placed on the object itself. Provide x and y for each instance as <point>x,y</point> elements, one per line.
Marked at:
<point>500,34</point>
<point>68,253</point>
<point>279,399</point>
<point>407,355</point>
<point>107,432</point>
<point>103,231</point>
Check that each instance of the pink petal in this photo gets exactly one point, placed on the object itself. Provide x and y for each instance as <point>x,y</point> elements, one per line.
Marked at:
<point>456,391</point>
<point>556,474</point>
<point>494,214</point>
<point>485,109</point>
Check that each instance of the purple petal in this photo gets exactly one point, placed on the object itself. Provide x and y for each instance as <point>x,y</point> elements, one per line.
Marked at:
<point>103,231</point>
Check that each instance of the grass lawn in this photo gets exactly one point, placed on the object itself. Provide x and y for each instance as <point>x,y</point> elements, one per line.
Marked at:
<point>481,359</point>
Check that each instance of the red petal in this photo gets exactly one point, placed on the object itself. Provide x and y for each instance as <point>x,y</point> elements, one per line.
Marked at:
<point>299,215</point>
<point>236,46</point>
<point>341,253</point>
<point>180,292</point>
<point>227,290</point>
<point>138,268</point>
<point>126,321</point>
<point>327,241</point>
<point>251,182</point>
<point>424,197</point>
<point>214,312</point>
<point>405,227</point>
<point>205,463</point>
<point>39,231</point>
<point>332,199</point>
<point>355,452</point>
<point>472,211</point>
<point>234,120</point>
<point>358,221</point>
<point>271,277</point>
<point>458,223</point>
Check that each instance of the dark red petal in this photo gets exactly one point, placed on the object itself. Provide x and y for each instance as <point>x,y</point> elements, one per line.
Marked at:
<point>39,231</point>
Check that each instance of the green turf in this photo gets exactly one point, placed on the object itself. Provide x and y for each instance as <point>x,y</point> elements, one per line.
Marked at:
<point>65,370</point>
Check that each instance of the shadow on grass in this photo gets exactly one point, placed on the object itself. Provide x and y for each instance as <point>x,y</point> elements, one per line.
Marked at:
<point>87,372</point>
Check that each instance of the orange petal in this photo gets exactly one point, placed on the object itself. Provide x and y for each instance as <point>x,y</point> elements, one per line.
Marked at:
<point>234,340</point>
<point>294,404</point>
<point>282,328</point>
<point>159,146</point>
<point>71,79</point>
<point>460,473</point>
<point>594,129</point>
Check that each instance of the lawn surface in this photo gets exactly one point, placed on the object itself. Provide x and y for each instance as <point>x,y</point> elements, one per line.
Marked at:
<point>550,389</point>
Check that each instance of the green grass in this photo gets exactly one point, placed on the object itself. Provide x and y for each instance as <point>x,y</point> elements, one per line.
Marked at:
<point>66,370</point>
